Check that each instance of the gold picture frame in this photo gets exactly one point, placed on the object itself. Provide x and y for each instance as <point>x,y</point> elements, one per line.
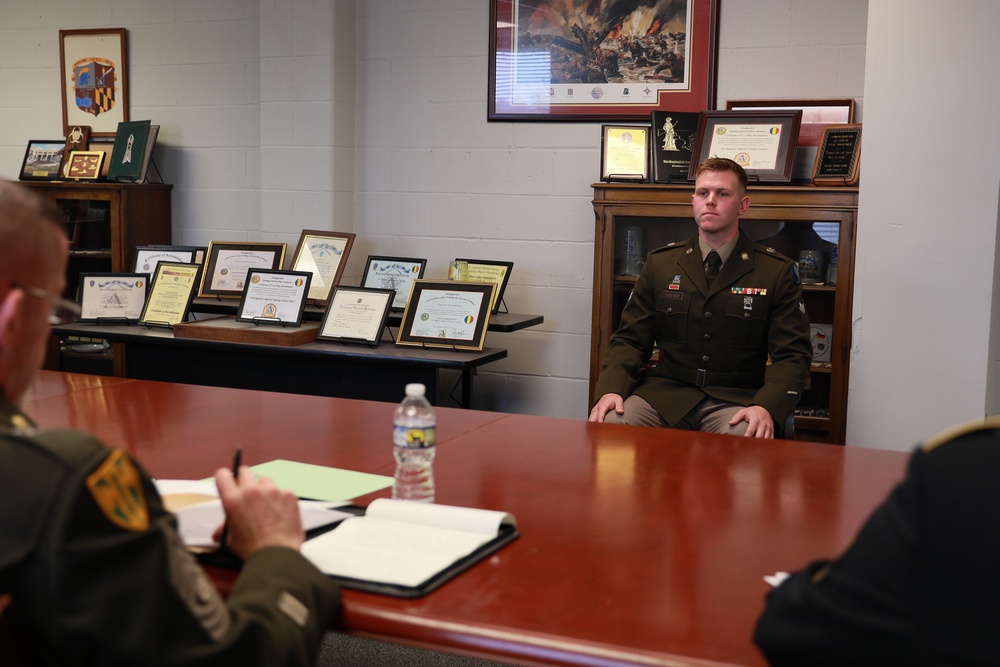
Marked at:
<point>84,165</point>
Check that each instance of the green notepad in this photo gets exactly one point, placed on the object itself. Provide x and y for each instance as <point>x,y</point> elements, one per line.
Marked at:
<point>320,482</point>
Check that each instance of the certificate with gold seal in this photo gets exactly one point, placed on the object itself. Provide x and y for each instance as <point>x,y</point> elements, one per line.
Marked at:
<point>228,263</point>
<point>170,294</point>
<point>444,313</point>
<point>356,315</point>
<point>762,142</point>
<point>274,297</point>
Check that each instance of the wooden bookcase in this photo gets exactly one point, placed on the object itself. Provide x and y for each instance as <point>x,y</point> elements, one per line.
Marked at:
<point>791,218</point>
<point>105,223</point>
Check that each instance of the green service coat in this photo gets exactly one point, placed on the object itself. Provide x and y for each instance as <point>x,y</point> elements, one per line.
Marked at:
<point>99,576</point>
<point>715,342</point>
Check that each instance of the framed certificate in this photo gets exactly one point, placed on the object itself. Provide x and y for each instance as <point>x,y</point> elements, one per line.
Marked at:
<point>170,293</point>
<point>274,297</point>
<point>324,255</point>
<point>112,297</point>
<point>762,142</point>
<point>393,273</point>
<point>356,315</point>
<point>625,153</point>
<point>228,262</point>
<point>490,271</point>
<point>443,313</point>
<point>147,257</point>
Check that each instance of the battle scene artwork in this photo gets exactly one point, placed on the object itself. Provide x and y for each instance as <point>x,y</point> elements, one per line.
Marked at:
<point>607,41</point>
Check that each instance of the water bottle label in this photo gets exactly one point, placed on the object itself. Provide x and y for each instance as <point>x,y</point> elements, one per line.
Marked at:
<point>413,438</point>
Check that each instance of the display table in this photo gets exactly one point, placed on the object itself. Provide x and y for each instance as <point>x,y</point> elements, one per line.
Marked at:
<point>319,368</point>
<point>638,546</point>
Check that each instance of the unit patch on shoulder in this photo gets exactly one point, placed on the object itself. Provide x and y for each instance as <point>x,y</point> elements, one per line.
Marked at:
<point>117,489</point>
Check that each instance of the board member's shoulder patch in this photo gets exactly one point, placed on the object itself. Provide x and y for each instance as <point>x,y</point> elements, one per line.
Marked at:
<point>117,489</point>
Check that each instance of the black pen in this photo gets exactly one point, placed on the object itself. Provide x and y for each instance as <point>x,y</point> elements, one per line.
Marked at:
<point>237,459</point>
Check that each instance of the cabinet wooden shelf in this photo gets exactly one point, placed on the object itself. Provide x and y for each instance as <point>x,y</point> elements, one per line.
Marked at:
<point>791,218</point>
<point>105,222</point>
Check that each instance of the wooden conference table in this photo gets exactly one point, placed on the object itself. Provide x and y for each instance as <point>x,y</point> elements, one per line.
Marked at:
<point>638,546</point>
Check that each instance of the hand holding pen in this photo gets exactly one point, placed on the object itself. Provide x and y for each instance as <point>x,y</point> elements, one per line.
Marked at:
<point>258,514</point>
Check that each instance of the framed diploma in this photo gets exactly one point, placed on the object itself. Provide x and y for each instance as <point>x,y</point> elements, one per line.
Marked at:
<point>274,297</point>
<point>228,262</point>
<point>762,142</point>
<point>356,315</point>
<point>490,271</point>
<point>395,273</point>
<point>170,293</point>
<point>625,153</point>
<point>112,297</point>
<point>838,158</point>
<point>443,313</point>
<point>324,255</point>
<point>147,257</point>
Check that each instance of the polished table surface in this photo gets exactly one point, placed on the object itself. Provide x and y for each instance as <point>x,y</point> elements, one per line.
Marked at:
<point>638,546</point>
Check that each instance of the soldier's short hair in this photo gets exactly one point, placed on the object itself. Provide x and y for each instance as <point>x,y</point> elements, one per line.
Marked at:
<point>723,164</point>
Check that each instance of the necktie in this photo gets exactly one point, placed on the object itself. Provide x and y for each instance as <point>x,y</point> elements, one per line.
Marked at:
<point>712,264</point>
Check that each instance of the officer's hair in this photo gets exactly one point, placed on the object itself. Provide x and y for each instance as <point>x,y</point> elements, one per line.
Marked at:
<point>723,164</point>
<point>28,224</point>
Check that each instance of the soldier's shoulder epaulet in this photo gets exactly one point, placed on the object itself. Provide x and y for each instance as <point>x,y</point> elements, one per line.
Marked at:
<point>963,430</point>
<point>676,245</point>
<point>769,251</point>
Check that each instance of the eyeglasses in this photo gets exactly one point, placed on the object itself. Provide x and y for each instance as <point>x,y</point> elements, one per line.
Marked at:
<point>62,311</point>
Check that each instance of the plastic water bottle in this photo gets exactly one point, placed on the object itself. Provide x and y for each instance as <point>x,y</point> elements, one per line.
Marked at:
<point>413,446</point>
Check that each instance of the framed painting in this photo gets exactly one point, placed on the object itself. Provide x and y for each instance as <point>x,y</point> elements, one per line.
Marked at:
<point>581,60</point>
<point>94,79</point>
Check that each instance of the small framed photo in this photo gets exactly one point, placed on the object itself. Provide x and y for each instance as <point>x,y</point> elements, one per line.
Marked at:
<point>444,313</point>
<point>85,165</point>
<point>489,271</point>
<point>762,142</point>
<point>274,297</point>
<point>324,255</point>
<point>356,315</point>
<point>147,257</point>
<point>838,158</point>
<point>171,290</point>
<point>228,262</point>
<point>43,160</point>
<point>94,77</point>
<point>112,297</point>
<point>625,153</point>
<point>393,273</point>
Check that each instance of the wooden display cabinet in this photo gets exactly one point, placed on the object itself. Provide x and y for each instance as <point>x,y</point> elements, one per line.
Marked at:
<point>105,222</point>
<point>790,218</point>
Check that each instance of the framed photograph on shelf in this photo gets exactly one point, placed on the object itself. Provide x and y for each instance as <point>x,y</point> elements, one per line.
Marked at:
<point>489,271</point>
<point>817,114</point>
<point>274,297</point>
<point>228,262</point>
<point>324,255</point>
<point>112,297</point>
<point>557,60</point>
<point>763,143</point>
<point>443,313</point>
<point>84,165</point>
<point>625,153</point>
<point>42,160</point>
<point>170,293</point>
<point>94,78</point>
<point>356,315</point>
<point>395,273</point>
<point>838,157</point>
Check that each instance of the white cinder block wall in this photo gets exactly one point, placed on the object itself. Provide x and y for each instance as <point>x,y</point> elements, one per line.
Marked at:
<point>370,116</point>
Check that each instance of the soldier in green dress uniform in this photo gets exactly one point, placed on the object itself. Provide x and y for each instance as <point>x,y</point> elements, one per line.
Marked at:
<point>92,571</point>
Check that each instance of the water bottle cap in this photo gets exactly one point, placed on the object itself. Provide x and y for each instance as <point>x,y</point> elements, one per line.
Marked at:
<point>415,389</point>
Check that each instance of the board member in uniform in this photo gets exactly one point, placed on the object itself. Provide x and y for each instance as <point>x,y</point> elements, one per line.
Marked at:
<point>728,318</point>
<point>92,570</point>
